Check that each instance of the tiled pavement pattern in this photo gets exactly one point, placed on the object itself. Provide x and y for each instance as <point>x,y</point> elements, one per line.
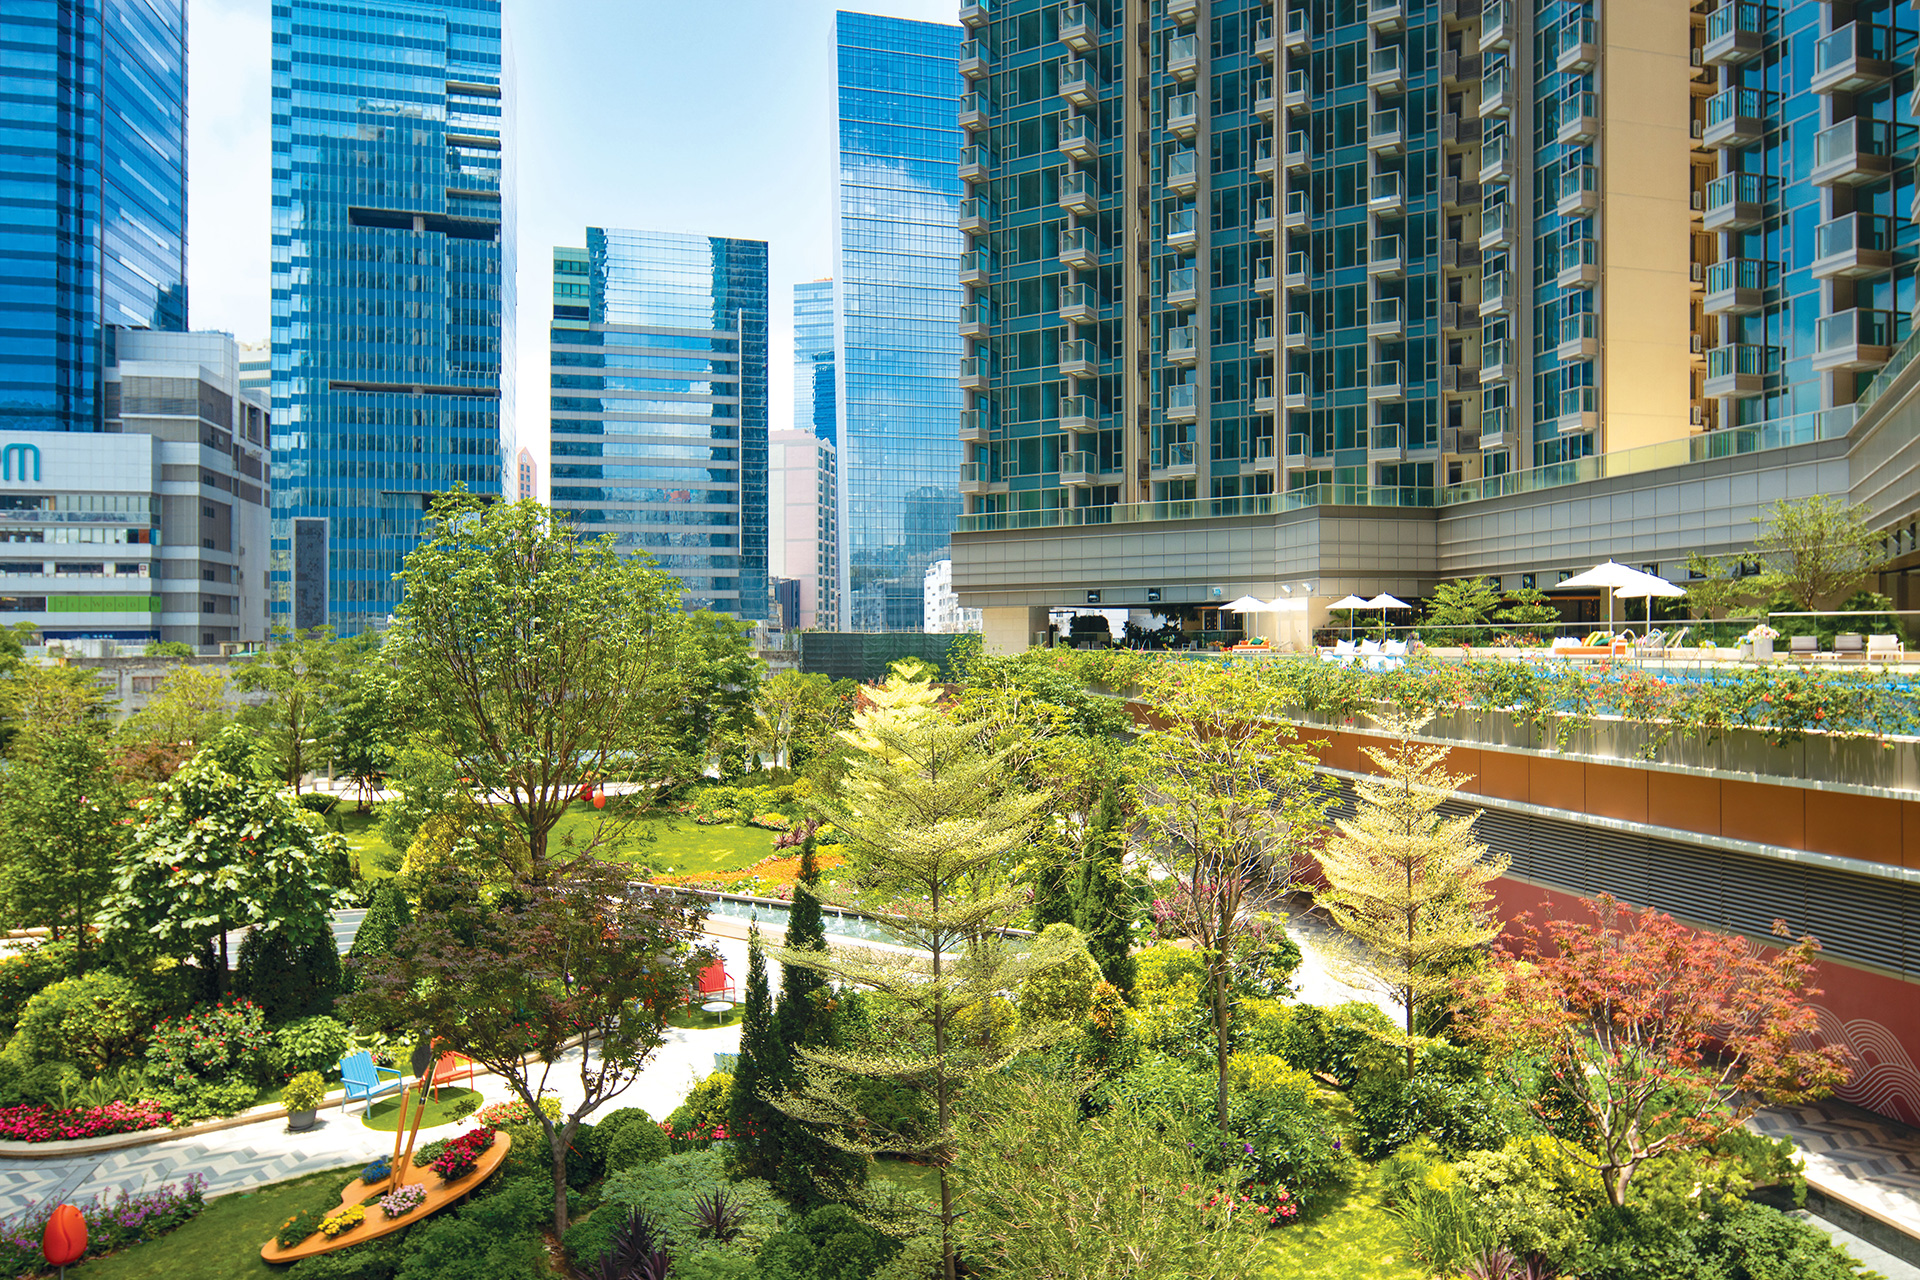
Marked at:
<point>1869,1160</point>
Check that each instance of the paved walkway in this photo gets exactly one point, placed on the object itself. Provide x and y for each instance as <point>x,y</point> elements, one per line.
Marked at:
<point>1861,1158</point>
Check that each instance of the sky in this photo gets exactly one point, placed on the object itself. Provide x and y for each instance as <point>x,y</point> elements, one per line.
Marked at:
<point>658,115</point>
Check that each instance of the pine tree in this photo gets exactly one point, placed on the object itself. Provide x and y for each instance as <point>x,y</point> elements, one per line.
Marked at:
<point>1052,892</point>
<point>1103,896</point>
<point>1408,887</point>
<point>753,1124</point>
<point>387,915</point>
<point>802,1018</point>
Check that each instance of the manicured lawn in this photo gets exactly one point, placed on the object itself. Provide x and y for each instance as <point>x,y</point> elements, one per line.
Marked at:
<point>669,845</point>
<point>223,1243</point>
<point>386,1112</point>
<point>694,1018</point>
<point>1354,1240</point>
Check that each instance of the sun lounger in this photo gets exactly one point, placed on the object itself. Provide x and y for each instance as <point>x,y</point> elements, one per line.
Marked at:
<point>1885,649</point>
<point>1849,646</point>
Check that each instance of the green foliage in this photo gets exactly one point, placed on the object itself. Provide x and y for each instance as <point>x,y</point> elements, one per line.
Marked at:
<point>1104,893</point>
<point>753,1123</point>
<point>292,725</point>
<point>828,1243</point>
<point>167,649</point>
<point>289,977</point>
<point>1731,1240</point>
<point>315,1043</point>
<point>623,1139</point>
<point>1340,1045</point>
<point>223,1042</point>
<point>666,1191</point>
<point>1532,1197</point>
<point>707,1104</point>
<point>31,969</point>
<point>1816,547</point>
<point>1450,1099</point>
<point>1462,603</point>
<point>95,1021</point>
<point>62,807</point>
<point>1063,991</point>
<point>304,1092</point>
<point>387,915</point>
<point>1445,1227</point>
<point>1284,1138</point>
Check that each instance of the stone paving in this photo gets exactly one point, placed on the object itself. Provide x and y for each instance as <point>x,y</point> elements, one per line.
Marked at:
<point>1866,1158</point>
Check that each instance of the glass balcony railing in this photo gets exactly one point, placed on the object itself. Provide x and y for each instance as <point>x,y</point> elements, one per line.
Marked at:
<point>974,367</point>
<point>1078,353</point>
<point>1383,249</point>
<point>1850,138</point>
<point>1494,222</point>
<point>1574,34</point>
<point>1179,454</point>
<point>1385,373</point>
<point>1182,49</point>
<point>1578,181</point>
<point>1262,389</point>
<point>1182,164</point>
<point>1077,188</point>
<point>1584,252</point>
<point>1385,63</point>
<point>1075,241</point>
<point>1493,290</point>
<point>1077,297</point>
<point>1739,273</point>
<point>1495,354</point>
<point>1494,421</point>
<point>1182,109</point>
<point>1739,188</point>
<point>1296,265</point>
<point>1852,44</point>
<point>1079,409</point>
<point>1297,84</point>
<point>1729,18</point>
<point>1180,280</point>
<point>1862,327</point>
<point>1579,400</point>
<point>1737,103</point>
<point>976,156</point>
<point>1494,153</point>
<point>1744,359</point>
<point>1495,83</point>
<point>1297,205</point>
<point>1078,463</point>
<point>1179,223</point>
<point>1385,188</point>
<point>1384,313</point>
<point>979,260</point>
<point>1852,232</point>
<point>1180,397</point>
<point>1182,341</point>
<point>1263,210</point>
<point>1078,134</point>
<point>1580,104</point>
<point>1384,124</point>
<point>1578,327</point>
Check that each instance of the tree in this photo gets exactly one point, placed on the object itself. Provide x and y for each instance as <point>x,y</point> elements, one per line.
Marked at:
<point>1658,1037</point>
<point>48,700</point>
<point>300,676</point>
<point>62,822</point>
<point>539,659</point>
<point>1815,548</point>
<point>188,709</point>
<point>366,723</point>
<point>930,826</point>
<point>1103,899</point>
<point>752,1123</point>
<point>215,848</point>
<point>585,957</point>
<point>1408,887</point>
<point>1463,603</point>
<point>713,712</point>
<point>788,708</point>
<point>1528,607</point>
<point>1229,801</point>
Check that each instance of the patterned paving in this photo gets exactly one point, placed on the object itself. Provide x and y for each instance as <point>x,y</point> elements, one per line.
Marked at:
<point>1869,1160</point>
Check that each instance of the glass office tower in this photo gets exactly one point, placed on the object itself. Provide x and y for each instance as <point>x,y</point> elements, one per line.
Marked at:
<point>392,289</point>
<point>896,252</point>
<point>93,214</point>
<point>813,382</point>
<point>659,408</point>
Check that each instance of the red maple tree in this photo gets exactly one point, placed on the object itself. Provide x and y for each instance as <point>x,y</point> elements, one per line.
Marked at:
<point>1660,1037</point>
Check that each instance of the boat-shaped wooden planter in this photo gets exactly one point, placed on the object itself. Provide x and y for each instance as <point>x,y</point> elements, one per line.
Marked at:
<point>440,1194</point>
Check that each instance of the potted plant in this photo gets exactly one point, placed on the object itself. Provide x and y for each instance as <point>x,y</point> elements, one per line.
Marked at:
<point>302,1098</point>
<point>1760,642</point>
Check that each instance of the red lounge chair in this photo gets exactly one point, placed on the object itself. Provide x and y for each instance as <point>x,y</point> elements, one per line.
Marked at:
<point>714,984</point>
<point>447,1068</point>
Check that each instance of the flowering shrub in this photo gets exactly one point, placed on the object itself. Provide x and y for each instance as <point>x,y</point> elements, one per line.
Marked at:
<point>299,1227</point>
<point>112,1222</point>
<point>344,1220</point>
<point>1261,1201</point>
<point>462,1154</point>
<point>402,1200</point>
<point>378,1171</point>
<point>229,1038</point>
<point>770,821</point>
<point>48,1124</point>
<point>515,1111</point>
<point>697,1137</point>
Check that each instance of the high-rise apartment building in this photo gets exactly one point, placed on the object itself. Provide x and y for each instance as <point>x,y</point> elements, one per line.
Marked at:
<point>897,299</point>
<point>93,215</point>
<point>803,544</point>
<point>393,268</point>
<point>659,405</point>
<point>526,475</point>
<point>813,380</point>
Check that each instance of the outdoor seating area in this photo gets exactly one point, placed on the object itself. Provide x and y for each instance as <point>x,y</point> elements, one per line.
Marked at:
<point>1372,655</point>
<point>364,1081</point>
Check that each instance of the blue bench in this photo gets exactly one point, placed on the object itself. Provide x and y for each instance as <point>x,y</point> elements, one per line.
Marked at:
<point>363,1080</point>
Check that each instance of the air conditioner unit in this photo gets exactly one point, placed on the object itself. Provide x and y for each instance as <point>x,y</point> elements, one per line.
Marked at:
<point>1697,415</point>
<point>1697,344</point>
<point>1697,272</point>
<point>1698,57</point>
<point>1699,200</point>
<point>1699,129</point>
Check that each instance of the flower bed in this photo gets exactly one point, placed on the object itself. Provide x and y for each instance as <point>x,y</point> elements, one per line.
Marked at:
<point>402,1201</point>
<point>112,1223</point>
<point>462,1155</point>
<point>515,1111</point>
<point>53,1124</point>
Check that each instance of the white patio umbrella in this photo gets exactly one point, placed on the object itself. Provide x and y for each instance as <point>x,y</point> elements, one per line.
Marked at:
<point>1384,602</point>
<point>1246,604</point>
<point>1621,581</point>
<point>1349,603</point>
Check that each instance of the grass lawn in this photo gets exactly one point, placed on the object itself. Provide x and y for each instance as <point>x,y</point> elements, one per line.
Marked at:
<point>223,1243</point>
<point>670,845</point>
<point>385,1113</point>
<point>1357,1239</point>
<point>694,1018</point>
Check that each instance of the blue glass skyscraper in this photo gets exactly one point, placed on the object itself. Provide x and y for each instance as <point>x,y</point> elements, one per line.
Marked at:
<point>659,405</point>
<point>93,211</point>
<point>814,406</point>
<point>392,288</point>
<point>897,287</point>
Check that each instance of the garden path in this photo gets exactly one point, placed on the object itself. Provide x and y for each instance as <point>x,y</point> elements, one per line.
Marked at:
<point>1867,1162</point>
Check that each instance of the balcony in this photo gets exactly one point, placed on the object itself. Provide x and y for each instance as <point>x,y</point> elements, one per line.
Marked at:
<point>1383,258</point>
<point>974,163</point>
<point>1298,96</point>
<point>1579,264</point>
<point>1183,170</point>
<point>973,111</point>
<point>1579,119</point>
<point>1078,468</point>
<point>1263,41</point>
<point>1182,403</point>
<point>1079,413</point>
<point>975,13</point>
<point>973,373</point>
<point>1456,131</point>
<point>1077,194</point>
<point>973,479</point>
<point>1183,115</point>
<point>1459,378</point>
<point>1384,383</point>
<point>1299,212</point>
<point>1735,34</point>
<point>1263,163</point>
<point>1579,409</point>
<point>1264,342</point>
<point>1496,158</point>
<point>1496,25</point>
<point>1079,138</point>
<point>973,427</point>
<point>1181,231</point>
<point>1183,57</point>
<point>974,320</point>
<point>1174,461</point>
<point>973,59</point>
<point>1264,104</point>
<point>1297,395</point>
<point>1180,287</point>
<point>1741,370</point>
<point>1079,359</point>
<point>1453,191</point>
<point>1078,82</point>
<point>1384,137</point>
<point>1078,305</point>
<point>1078,249</point>
<point>1496,92</point>
<point>1494,425</point>
<point>1857,56</point>
<point>1579,48</point>
<point>1299,333</point>
<point>1264,282</point>
<point>1579,192</point>
<point>1183,344</point>
<point>1263,221</point>
<point>1459,315</point>
<point>1299,273</point>
<point>1386,73</point>
<point>1738,286</point>
<point>1460,68</point>
<point>1737,118</point>
<point>1299,153</point>
<point>1183,11</point>
<point>1855,340</point>
<point>975,213</point>
<point>1853,245</point>
<point>1384,195</point>
<point>975,267</point>
<point>1496,361</point>
<point>1737,202</point>
<point>1852,152</point>
<point>1299,34</point>
<point>1263,400</point>
<point>1385,318</point>
<point>1496,226</point>
<point>1493,293</point>
<point>1078,30</point>
<point>1579,336</point>
<point>1386,16</point>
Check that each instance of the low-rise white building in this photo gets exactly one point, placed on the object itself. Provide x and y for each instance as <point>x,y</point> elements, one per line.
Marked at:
<point>943,611</point>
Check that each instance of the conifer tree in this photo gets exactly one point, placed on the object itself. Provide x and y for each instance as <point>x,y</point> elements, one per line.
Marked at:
<point>1052,892</point>
<point>802,1019</point>
<point>1103,897</point>
<point>1407,886</point>
<point>931,825</point>
<point>752,1123</point>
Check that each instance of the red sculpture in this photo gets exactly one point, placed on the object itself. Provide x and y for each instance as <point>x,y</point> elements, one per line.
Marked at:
<point>65,1239</point>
